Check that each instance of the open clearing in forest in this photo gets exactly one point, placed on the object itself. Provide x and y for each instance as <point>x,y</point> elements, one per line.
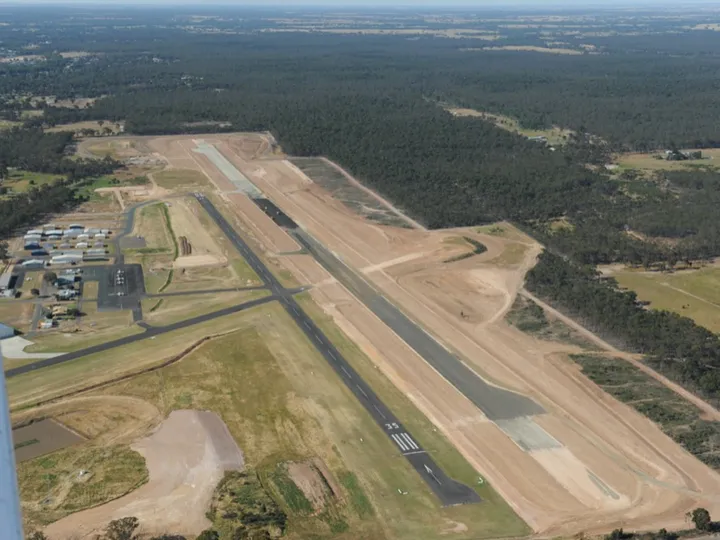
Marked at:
<point>554,135</point>
<point>655,161</point>
<point>690,293</point>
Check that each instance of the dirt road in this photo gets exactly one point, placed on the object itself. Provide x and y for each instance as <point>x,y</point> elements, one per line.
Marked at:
<point>708,410</point>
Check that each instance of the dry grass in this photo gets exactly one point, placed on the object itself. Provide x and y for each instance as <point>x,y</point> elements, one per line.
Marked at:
<point>646,161</point>
<point>114,128</point>
<point>694,293</point>
<point>178,308</point>
<point>182,180</point>
<point>51,486</point>
<point>554,135</point>
<point>282,402</point>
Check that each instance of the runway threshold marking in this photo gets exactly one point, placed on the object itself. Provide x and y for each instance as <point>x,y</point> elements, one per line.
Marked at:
<point>454,494</point>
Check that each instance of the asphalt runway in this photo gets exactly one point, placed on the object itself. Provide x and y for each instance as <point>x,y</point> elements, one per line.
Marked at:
<point>149,333</point>
<point>446,489</point>
<point>495,402</point>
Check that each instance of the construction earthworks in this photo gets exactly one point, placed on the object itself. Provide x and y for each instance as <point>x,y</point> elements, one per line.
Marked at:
<point>565,455</point>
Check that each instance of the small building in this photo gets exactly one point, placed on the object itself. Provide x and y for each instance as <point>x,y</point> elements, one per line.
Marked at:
<point>32,263</point>
<point>76,226</point>
<point>71,233</point>
<point>66,259</point>
<point>32,237</point>
<point>81,245</point>
<point>99,236</point>
<point>35,231</point>
<point>83,236</point>
<point>6,331</point>
<point>54,232</point>
<point>91,230</point>
<point>66,294</point>
<point>31,246</point>
<point>38,253</point>
<point>47,324</point>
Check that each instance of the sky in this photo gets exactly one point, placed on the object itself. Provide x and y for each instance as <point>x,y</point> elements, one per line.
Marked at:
<point>369,3</point>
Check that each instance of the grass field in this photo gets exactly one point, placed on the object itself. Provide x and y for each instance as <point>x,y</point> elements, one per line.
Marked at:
<point>178,308</point>
<point>51,486</point>
<point>92,328</point>
<point>492,519</point>
<point>282,402</point>
<point>107,127</point>
<point>181,180</point>
<point>57,380</point>
<point>694,294</point>
<point>16,314</point>
<point>554,135</point>
<point>20,181</point>
<point>646,162</point>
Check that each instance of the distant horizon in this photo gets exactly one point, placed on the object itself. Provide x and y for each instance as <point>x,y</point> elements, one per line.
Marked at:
<point>368,4</point>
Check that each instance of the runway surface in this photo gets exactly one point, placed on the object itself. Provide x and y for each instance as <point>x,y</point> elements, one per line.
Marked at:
<point>447,490</point>
<point>151,332</point>
<point>495,402</point>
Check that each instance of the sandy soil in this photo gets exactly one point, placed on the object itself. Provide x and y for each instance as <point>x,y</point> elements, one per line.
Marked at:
<point>205,251</point>
<point>186,457</point>
<point>611,467</point>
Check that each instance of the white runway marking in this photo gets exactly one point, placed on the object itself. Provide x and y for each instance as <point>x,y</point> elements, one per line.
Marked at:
<point>399,442</point>
<point>379,411</point>
<point>410,442</point>
<point>361,390</point>
<point>346,372</point>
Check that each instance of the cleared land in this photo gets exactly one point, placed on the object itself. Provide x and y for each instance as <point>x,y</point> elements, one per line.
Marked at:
<point>350,193</point>
<point>189,448</point>
<point>601,464</point>
<point>606,467</point>
<point>691,293</point>
<point>656,162</point>
<point>554,135</point>
<point>99,128</point>
<point>199,248</point>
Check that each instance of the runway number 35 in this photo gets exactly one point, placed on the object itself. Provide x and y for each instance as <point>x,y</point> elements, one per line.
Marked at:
<point>391,426</point>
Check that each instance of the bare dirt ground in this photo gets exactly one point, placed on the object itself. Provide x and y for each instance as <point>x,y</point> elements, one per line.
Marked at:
<point>186,457</point>
<point>205,252</point>
<point>608,467</point>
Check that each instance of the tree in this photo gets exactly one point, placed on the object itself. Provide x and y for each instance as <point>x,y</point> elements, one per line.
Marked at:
<point>37,535</point>
<point>701,518</point>
<point>208,534</point>
<point>50,277</point>
<point>122,529</point>
<point>35,292</point>
<point>168,537</point>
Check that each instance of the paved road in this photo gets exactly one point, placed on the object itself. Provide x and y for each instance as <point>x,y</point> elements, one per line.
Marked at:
<point>149,333</point>
<point>496,403</point>
<point>447,490</point>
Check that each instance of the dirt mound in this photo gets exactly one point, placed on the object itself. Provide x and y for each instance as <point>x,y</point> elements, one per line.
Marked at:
<point>186,457</point>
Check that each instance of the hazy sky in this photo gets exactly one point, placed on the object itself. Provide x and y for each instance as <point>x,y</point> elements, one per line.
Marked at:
<point>369,3</point>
